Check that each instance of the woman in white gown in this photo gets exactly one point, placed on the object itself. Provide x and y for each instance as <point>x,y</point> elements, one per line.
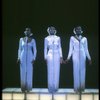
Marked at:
<point>78,49</point>
<point>26,57</point>
<point>53,57</point>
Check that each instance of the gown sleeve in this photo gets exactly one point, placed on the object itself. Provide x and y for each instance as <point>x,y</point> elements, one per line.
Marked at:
<point>20,48</point>
<point>60,48</point>
<point>70,48</point>
<point>86,49</point>
<point>34,49</point>
<point>45,48</point>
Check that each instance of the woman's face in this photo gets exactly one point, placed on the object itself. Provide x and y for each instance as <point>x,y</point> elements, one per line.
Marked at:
<point>52,31</point>
<point>78,31</point>
<point>27,33</point>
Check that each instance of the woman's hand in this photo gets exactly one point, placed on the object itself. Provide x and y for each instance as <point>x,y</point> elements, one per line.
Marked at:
<point>61,60</point>
<point>18,61</point>
<point>66,61</point>
<point>90,62</point>
<point>32,61</point>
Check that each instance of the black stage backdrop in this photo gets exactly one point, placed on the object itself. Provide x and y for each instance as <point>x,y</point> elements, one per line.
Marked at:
<point>38,15</point>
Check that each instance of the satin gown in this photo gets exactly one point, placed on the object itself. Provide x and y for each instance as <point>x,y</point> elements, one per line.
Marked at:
<point>26,53</point>
<point>78,49</point>
<point>52,54</point>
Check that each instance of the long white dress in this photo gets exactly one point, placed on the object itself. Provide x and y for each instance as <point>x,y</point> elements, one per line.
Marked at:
<point>79,51</point>
<point>52,54</point>
<point>26,53</point>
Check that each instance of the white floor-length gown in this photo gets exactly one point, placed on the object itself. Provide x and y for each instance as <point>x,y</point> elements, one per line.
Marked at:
<point>52,54</point>
<point>26,53</point>
<point>78,49</point>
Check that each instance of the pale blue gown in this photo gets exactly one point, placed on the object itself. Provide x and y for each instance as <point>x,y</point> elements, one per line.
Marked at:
<point>79,51</point>
<point>26,53</point>
<point>52,54</point>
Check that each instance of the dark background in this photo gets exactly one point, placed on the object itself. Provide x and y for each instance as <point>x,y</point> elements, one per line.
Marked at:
<point>38,15</point>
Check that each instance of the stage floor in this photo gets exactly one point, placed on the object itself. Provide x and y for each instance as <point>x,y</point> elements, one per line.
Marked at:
<point>43,94</point>
<point>45,90</point>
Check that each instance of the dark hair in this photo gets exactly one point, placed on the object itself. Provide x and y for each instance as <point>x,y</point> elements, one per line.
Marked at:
<point>78,28</point>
